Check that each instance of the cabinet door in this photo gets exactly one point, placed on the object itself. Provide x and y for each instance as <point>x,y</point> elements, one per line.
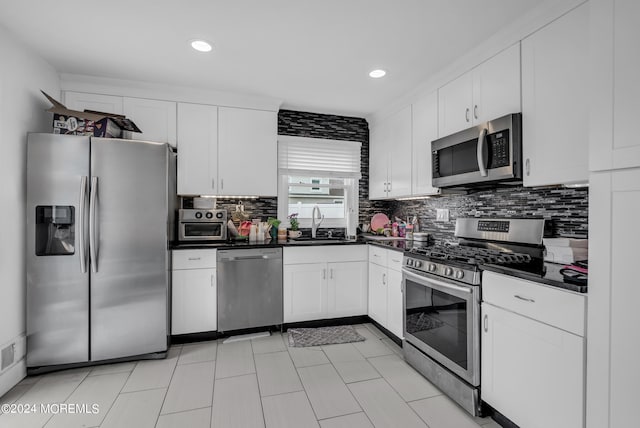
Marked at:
<point>198,156</point>
<point>528,366</point>
<point>613,315</point>
<point>496,86</point>
<point>347,289</point>
<point>614,90</point>
<point>394,303</point>
<point>305,292</point>
<point>454,105</point>
<point>104,103</point>
<point>425,130</point>
<point>555,101</point>
<point>399,154</point>
<point>378,160</point>
<point>193,301</point>
<point>247,147</point>
<point>378,293</point>
<point>157,119</point>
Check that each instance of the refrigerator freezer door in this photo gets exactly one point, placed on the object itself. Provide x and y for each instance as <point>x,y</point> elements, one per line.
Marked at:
<point>57,279</point>
<point>129,286</point>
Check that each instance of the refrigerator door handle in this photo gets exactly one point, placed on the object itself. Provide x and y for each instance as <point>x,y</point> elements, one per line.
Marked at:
<point>92,225</point>
<point>81,216</point>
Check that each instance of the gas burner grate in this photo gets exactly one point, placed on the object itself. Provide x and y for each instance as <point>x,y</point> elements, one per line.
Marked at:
<point>471,255</point>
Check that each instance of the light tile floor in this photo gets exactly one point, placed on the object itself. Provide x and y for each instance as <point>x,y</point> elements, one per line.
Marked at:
<point>257,383</point>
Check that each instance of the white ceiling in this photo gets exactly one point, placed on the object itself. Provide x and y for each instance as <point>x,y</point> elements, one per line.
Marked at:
<point>315,56</point>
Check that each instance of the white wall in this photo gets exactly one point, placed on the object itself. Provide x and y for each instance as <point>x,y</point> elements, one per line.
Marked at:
<point>22,109</point>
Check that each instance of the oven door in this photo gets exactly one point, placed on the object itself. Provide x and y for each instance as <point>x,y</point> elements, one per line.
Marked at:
<point>442,319</point>
<point>202,231</point>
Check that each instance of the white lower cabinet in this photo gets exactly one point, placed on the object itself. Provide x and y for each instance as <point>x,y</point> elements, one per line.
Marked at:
<point>324,282</point>
<point>385,289</point>
<point>194,292</point>
<point>532,367</point>
<point>304,291</point>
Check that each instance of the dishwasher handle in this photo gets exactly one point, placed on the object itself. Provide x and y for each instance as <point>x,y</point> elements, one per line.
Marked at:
<point>249,254</point>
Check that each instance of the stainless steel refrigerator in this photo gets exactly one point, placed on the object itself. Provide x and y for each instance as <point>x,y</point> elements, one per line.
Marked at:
<point>99,219</point>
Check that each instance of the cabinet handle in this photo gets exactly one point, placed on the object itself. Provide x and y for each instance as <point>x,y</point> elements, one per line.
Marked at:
<point>194,258</point>
<point>475,111</point>
<point>526,299</point>
<point>466,115</point>
<point>384,279</point>
<point>388,186</point>
<point>386,189</point>
<point>212,281</point>
<point>213,183</point>
<point>324,274</point>
<point>331,273</point>
<point>222,184</point>
<point>486,323</point>
<point>527,166</point>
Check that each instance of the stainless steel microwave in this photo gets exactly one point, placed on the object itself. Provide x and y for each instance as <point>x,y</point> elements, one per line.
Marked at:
<point>488,153</point>
<point>198,225</point>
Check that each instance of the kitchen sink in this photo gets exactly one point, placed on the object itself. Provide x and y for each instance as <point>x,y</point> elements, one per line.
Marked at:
<point>318,241</point>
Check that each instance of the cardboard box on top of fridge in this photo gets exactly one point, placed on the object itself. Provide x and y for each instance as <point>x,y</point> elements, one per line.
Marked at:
<point>90,123</point>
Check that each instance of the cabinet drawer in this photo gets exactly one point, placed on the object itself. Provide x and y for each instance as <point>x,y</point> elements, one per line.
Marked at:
<point>553,306</point>
<point>394,260</point>
<point>194,259</point>
<point>325,253</point>
<point>378,255</point>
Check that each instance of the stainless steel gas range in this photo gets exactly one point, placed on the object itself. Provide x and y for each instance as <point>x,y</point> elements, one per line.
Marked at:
<point>442,293</point>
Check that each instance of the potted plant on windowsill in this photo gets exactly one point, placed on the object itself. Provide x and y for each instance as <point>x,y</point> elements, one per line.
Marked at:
<point>293,221</point>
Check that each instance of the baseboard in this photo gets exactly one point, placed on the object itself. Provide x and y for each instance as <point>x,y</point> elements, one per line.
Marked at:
<point>387,333</point>
<point>12,376</point>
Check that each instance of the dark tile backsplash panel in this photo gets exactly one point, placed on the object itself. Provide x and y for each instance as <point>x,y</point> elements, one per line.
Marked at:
<point>567,209</point>
<point>332,127</point>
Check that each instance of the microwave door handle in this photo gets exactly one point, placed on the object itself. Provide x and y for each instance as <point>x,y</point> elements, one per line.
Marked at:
<point>482,140</point>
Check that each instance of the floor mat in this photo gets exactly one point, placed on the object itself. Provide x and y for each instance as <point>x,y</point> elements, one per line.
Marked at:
<point>302,337</point>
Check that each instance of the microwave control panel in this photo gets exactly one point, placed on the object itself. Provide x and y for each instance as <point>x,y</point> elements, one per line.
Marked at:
<point>499,148</point>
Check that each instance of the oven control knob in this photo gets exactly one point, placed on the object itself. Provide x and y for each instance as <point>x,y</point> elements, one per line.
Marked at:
<point>409,262</point>
<point>432,267</point>
<point>198,214</point>
<point>219,215</point>
<point>448,271</point>
<point>459,274</point>
<point>209,215</point>
<point>418,263</point>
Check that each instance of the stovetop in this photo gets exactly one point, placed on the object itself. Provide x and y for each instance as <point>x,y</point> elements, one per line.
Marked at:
<point>463,261</point>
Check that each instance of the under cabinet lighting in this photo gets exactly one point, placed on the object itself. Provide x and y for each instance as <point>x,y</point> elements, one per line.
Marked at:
<point>413,198</point>
<point>378,73</point>
<point>229,197</point>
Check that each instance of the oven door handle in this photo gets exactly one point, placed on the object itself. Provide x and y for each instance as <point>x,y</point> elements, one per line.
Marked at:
<point>482,141</point>
<point>438,282</point>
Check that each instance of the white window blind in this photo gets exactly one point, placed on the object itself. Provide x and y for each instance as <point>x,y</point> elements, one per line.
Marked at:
<point>319,158</point>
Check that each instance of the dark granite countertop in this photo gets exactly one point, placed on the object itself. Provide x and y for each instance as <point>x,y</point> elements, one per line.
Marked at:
<point>268,243</point>
<point>551,276</point>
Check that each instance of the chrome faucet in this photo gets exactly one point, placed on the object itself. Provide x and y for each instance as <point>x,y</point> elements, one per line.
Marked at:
<point>314,225</point>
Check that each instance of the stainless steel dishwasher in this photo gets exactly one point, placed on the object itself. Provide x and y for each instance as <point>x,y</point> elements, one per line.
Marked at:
<point>249,288</point>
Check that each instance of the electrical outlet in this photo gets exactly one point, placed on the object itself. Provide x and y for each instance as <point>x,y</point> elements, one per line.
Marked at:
<point>442,214</point>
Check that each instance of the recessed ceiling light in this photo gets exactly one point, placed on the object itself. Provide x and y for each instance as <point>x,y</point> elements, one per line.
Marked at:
<point>201,45</point>
<point>376,74</point>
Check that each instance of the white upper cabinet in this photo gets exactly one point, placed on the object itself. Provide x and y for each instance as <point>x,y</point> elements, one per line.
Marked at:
<point>390,156</point>
<point>555,101</point>
<point>105,103</point>
<point>198,155</point>
<point>226,151</point>
<point>248,152</point>
<point>489,91</point>
<point>614,90</point>
<point>425,130</point>
<point>155,118</point>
